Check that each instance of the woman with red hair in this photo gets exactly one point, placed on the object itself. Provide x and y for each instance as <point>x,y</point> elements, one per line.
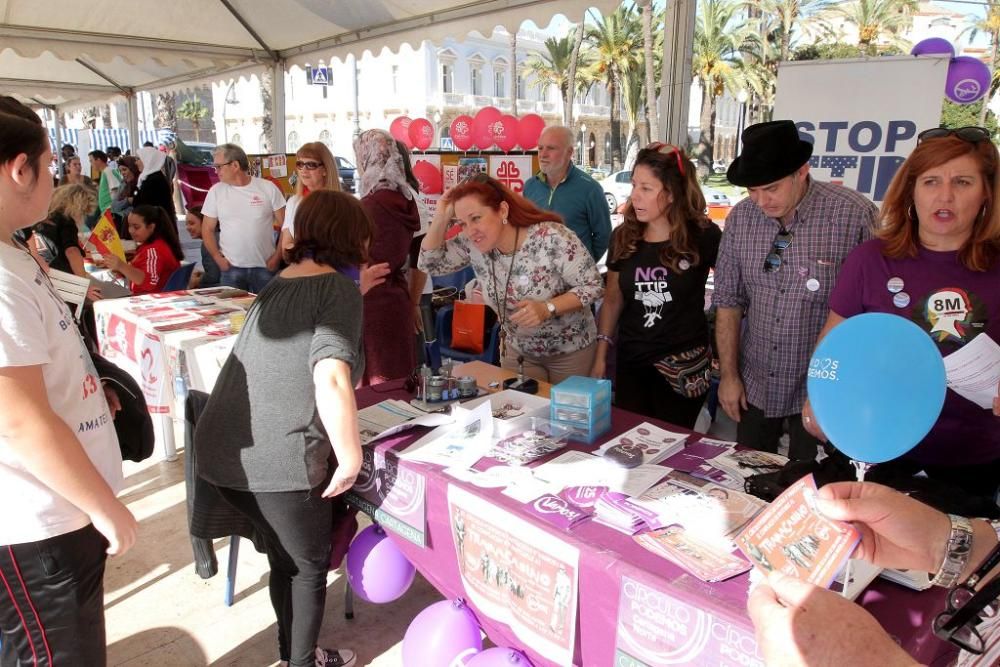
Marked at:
<point>536,275</point>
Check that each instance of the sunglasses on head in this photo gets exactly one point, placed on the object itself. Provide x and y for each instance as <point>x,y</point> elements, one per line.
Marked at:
<point>782,240</point>
<point>667,149</point>
<point>307,165</point>
<point>970,133</point>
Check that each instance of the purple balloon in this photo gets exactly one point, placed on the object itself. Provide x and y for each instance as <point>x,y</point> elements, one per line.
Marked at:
<point>933,46</point>
<point>444,634</point>
<point>968,80</point>
<point>499,656</point>
<point>377,569</point>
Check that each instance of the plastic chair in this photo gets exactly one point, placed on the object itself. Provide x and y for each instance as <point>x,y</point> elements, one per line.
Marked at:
<point>458,280</point>
<point>179,279</point>
<point>491,348</point>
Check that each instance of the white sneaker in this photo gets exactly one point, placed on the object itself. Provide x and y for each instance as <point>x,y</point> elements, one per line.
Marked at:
<point>332,657</point>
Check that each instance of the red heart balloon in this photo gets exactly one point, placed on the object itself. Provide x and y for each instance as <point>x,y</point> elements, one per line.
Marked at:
<point>399,129</point>
<point>461,132</point>
<point>421,133</point>
<point>505,133</point>
<point>429,175</point>
<point>529,128</point>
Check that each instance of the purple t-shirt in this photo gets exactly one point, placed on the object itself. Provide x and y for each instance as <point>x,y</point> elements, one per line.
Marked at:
<point>951,303</point>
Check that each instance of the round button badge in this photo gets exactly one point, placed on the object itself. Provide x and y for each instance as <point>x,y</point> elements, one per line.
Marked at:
<point>895,285</point>
<point>901,300</point>
<point>684,264</point>
<point>812,285</point>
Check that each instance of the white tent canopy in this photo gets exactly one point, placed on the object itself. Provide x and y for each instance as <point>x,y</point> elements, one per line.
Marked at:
<point>66,55</point>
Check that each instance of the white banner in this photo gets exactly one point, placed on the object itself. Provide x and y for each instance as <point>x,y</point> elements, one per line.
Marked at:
<point>863,115</point>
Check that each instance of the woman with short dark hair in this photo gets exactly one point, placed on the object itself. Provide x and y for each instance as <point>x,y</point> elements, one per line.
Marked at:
<point>279,435</point>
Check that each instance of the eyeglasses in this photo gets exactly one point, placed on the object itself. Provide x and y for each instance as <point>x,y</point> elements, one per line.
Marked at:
<point>966,609</point>
<point>970,133</point>
<point>219,166</point>
<point>667,149</point>
<point>773,260</point>
<point>307,165</point>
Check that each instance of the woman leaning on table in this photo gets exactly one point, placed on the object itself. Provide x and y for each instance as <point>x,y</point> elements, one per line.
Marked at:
<point>279,434</point>
<point>801,625</point>
<point>535,274</point>
<point>657,268</point>
<point>937,263</point>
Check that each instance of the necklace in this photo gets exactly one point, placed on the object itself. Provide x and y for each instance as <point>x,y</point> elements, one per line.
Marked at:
<point>502,302</point>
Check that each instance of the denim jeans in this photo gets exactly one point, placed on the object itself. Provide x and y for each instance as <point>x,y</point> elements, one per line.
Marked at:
<point>251,279</point>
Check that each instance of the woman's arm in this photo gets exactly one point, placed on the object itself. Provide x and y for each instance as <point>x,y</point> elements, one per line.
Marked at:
<point>132,273</point>
<point>339,414</point>
<point>75,259</point>
<point>611,310</point>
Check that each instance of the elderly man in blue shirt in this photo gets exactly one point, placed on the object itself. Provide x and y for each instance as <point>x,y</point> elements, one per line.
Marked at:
<point>574,195</point>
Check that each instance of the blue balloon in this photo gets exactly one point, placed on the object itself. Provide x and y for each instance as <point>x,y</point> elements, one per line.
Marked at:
<point>876,384</point>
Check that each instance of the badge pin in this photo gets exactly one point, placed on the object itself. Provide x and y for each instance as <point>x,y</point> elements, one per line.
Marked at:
<point>684,264</point>
<point>812,285</point>
<point>895,285</point>
<point>901,300</point>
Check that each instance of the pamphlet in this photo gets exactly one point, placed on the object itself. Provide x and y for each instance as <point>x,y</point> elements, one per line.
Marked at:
<point>973,372</point>
<point>792,537</point>
<point>702,559</point>
<point>644,444</point>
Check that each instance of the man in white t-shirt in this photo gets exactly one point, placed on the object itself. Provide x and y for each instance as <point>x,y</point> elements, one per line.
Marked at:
<point>247,210</point>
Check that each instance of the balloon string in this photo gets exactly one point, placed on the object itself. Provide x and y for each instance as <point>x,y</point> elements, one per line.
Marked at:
<point>860,469</point>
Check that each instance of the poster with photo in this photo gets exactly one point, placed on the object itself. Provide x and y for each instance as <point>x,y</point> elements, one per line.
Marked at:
<point>471,166</point>
<point>517,573</point>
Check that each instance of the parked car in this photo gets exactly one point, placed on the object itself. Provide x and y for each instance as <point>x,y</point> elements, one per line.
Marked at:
<point>618,186</point>
<point>347,172</point>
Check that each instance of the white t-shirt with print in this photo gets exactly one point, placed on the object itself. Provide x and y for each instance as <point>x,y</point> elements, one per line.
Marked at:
<point>36,329</point>
<point>291,206</point>
<point>246,219</point>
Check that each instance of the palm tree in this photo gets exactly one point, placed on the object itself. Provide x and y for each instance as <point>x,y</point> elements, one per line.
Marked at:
<point>513,72</point>
<point>553,67</point>
<point>194,111</point>
<point>878,21</point>
<point>719,35</point>
<point>574,61</point>
<point>166,112</point>
<point>646,7</point>
<point>990,24</point>
<point>268,140</point>
<point>787,17</point>
<point>614,42</point>
<point>634,95</point>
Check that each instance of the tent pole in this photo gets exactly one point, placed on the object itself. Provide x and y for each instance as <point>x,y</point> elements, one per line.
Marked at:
<point>278,107</point>
<point>133,120</point>
<point>675,88</point>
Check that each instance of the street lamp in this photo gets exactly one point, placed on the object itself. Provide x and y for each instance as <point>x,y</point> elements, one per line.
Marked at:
<point>742,98</point>
<point>437,127</point>
<point>230,99</point>
<point>583,134</point>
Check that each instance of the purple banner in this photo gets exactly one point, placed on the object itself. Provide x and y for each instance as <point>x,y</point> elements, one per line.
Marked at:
<point>393,496</point>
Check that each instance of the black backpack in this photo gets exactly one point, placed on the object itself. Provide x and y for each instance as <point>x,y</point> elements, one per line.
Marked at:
<point>132,423</point>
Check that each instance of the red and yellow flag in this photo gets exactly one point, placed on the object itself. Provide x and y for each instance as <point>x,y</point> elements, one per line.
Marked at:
<point>105,237</point>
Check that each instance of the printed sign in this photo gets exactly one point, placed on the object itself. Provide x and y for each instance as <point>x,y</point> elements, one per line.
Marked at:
<point>859,140</point>
<point>656,629</point>
<point>511,170</point>
<point>517,573</point>
<point>393,495</point>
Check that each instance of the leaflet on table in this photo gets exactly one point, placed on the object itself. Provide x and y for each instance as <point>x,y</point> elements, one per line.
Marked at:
<point>710,473</point>
<point>792,537</point>
<point>517,573</point>
<point>508,405</point>
<point>394,495</point>
<point>706,560</point>
<point>528,439</point>
<point>696,453</point>
<point>859,573</point>
<point>657,627</point>
<point>712,512</point>
<point>578,468</point>
<point>973,371</point>
<point>643,444</point>
<point>463,442</point>
<point>393,416</point>
<point>621,513</point>
<point>743,463</point>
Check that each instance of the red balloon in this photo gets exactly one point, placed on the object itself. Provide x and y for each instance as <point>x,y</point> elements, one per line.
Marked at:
<point>529,128</point>
<point>461,132</point>
<point>399,129</point>
<point>429,175</point>
<point>421,133</point>
<point>488,115</point>
<point>505,133</point>
<point>483,128</point>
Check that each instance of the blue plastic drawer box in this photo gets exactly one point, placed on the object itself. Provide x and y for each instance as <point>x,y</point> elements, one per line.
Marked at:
<point>579,433</point>
<point>582,392</point>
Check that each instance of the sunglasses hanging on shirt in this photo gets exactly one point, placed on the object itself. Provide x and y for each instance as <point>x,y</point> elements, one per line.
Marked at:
<point>781,241</point>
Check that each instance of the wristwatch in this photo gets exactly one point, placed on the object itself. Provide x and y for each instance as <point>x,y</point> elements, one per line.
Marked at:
<point>957,553</point>
<point>551,307</point>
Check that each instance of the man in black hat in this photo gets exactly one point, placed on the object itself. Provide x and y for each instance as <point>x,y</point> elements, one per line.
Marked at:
<point>780,253</point>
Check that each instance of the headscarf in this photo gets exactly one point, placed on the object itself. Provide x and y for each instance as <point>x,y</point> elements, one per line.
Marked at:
<point>152,162</point>
<point>380,166</point>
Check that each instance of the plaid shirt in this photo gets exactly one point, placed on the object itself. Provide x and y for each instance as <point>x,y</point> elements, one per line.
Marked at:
<point>783,316</point>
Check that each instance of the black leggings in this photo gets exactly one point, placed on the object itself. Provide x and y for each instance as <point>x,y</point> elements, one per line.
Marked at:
<point>645,391</point>
<point>296,527</point>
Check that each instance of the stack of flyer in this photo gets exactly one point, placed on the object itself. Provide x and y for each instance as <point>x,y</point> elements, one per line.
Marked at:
<point>643,445</point>
<point>620,512</point>
<point>731,468</point>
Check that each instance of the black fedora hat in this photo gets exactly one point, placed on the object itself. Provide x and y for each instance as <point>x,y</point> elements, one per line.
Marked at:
<point>771,151</point>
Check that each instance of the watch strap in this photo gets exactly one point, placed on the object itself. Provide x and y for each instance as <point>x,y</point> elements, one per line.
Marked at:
<point>957,553</point>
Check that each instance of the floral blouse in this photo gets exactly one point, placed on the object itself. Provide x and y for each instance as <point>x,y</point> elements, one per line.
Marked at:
<point>550,262</point>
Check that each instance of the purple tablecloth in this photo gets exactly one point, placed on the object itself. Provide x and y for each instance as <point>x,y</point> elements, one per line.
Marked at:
<point>634,608</point>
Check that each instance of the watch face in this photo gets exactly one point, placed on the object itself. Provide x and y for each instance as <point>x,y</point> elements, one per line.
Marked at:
<point>551,306</point>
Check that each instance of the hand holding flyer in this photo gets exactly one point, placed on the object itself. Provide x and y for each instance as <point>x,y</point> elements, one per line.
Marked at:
<point>792,537</point>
